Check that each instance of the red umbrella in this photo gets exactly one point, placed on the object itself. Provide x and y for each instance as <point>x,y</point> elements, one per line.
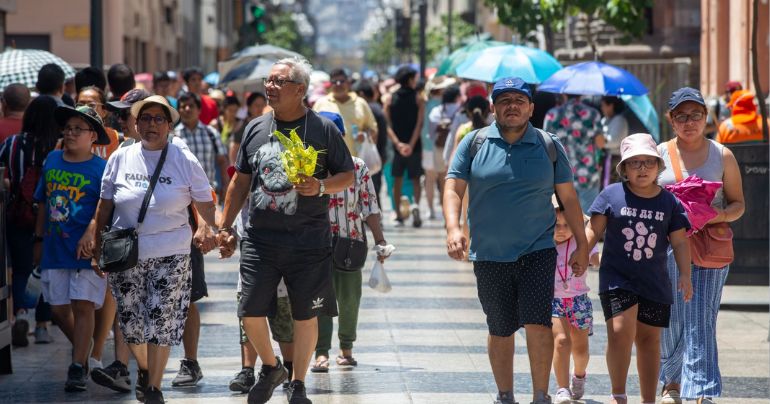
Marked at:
<point>696,195</point>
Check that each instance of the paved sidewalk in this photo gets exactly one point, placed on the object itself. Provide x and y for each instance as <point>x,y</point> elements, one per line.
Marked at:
<point>422,343</point>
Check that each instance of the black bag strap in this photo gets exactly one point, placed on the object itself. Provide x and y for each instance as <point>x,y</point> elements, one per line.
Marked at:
<point>480,136</point>
<point>153,181</point>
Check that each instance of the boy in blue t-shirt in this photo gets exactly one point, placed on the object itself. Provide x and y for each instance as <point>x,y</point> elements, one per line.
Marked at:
<point>68,193</point>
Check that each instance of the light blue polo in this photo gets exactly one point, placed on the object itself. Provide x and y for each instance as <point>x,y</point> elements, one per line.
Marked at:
<point>510,211</point>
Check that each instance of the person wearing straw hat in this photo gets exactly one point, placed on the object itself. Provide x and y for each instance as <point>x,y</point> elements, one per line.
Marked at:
<point>67,196</point>
<point>153,297</point>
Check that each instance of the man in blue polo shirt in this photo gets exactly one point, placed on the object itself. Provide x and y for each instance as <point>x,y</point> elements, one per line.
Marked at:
<point>511,180</point>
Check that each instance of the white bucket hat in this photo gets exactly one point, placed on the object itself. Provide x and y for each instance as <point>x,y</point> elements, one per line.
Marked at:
<point>638,144</point>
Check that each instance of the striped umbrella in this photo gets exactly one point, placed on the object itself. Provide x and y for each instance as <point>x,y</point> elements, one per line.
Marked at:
<point>22,65</point>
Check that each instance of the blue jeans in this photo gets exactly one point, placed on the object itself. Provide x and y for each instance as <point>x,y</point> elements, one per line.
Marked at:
<point>20,246</point>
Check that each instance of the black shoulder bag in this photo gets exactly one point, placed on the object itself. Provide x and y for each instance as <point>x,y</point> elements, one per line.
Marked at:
<point>348,253</point>
<point>120,247</point>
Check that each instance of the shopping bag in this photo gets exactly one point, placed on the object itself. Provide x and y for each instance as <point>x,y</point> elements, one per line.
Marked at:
<point>379,280</point>
<point>370,156</point>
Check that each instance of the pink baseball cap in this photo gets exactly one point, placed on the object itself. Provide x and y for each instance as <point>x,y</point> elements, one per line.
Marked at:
<point>638,144</point>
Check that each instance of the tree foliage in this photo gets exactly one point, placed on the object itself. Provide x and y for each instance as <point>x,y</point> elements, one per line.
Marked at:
<point>381,49</point>
<point>436,37</point>
<point>524,16</point>
<point>280,30</point>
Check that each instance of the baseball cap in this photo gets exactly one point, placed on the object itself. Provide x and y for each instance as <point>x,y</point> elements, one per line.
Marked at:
<point>510,84</point>
<point>63,113</point>
<point>336,119</point>
<point>733,85</point>
<point>129,98</point>
<point>638,144</point>
<point>685,94</point>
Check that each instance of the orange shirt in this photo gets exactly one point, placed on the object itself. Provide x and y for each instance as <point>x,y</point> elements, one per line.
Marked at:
<point>105,150</point>
<point>731,132</point>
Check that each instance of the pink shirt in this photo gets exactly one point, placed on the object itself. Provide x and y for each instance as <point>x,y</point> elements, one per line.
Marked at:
<point>576,285</point>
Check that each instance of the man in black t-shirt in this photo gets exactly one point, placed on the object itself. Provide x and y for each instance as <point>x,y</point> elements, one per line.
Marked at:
<point>288,235</point>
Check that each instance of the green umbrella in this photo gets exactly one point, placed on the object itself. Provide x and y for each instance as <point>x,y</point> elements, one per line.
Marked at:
<point>449,65</point>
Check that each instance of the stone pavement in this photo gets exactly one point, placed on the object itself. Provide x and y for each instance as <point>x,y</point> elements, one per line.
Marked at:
<point>424,342</point>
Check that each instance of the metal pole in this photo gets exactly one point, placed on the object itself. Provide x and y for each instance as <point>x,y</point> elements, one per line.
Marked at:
<point>423,23</point>
<point>97,55</point>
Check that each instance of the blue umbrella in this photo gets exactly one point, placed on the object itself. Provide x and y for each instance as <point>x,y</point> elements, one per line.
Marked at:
<point>492,64</point>
<point>593,78</point>
<point>642,107</point>
<point>212,78</point>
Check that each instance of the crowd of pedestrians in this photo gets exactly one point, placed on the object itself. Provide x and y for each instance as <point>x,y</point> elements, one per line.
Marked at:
<point>192,171</point>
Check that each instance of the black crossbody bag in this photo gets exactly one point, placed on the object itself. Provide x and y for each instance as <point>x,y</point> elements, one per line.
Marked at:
<point>120,247</point>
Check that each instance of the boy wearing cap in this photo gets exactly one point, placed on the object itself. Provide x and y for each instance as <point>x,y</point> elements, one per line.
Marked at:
<point>64,233</point>
<point>513,253</point>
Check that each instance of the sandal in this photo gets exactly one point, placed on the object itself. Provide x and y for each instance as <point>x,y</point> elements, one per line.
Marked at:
<point>346,361</point>
<point>321,366</point>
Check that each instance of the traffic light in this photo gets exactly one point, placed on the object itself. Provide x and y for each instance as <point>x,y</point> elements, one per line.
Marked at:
<point>403,34</point>
<point>258,12</point>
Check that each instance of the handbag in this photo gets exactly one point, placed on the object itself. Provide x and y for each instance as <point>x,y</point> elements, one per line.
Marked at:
<point>370,156</point>
<point>444,125</point>
<point>349,254</point>
<point>120,247</point>
<point>711,246</point>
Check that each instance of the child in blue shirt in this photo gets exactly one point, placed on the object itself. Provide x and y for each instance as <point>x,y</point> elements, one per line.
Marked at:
<point>68,193</point>
<point>640,219</point>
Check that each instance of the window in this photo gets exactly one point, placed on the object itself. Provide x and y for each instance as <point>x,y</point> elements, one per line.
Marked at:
<point>28,41</point>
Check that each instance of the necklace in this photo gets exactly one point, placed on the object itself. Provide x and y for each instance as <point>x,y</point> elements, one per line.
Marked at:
<point>304,130</point>
<point>563,276</point>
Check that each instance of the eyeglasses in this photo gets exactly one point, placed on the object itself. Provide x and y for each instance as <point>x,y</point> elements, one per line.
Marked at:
<point>695,117</point>
<point>637,164</point>
<point>158,119</point>
<point>75,130</point>
<point>277,82</point>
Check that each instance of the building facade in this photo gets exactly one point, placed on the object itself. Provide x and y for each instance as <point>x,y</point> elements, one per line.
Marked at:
<point>148,35</point>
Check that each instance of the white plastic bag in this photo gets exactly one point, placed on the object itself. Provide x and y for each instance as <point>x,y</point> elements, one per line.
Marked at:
<point>369,154</point>
<point>379,280</point>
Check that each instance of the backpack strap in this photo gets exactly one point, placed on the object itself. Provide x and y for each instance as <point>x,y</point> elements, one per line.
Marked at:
<point>477,140</point>
<point>213,139</point>
<point>550,147</point>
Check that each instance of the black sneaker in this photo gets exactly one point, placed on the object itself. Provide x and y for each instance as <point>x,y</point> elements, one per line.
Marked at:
<point>115,376</point>
<point>268,379</point>
<point>153,396</point>
<point>289,369</point>
<point>243,380</point>
<point>189,374</point>
<point>297,394</point>
<point>76,378</point>
<point>19,332</point>
<point>142,380</point>
<point>416,220</point>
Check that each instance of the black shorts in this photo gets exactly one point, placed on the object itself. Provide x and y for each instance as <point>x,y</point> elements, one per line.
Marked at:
<point>616,301</point>
<point>411,164</point>
<point>308,276</point>
<point>199,287</point>
<point>514,294</point>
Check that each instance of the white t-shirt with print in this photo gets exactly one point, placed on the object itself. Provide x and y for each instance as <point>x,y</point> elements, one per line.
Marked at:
<point>166,230</point>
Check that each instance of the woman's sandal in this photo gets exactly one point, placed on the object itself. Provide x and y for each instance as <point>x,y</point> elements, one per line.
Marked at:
<point>321,366</point>
<point>346,361</point>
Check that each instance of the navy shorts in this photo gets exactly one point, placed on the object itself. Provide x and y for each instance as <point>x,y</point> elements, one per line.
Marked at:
<point>616,301</point>
<point>518,293</point>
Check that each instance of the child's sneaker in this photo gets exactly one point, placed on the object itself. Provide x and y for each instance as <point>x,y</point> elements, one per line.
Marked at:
<point>578,387</point>
<point>563,396</point>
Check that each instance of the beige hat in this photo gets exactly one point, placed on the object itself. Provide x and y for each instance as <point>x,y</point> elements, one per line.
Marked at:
<point>439,83</point>
<point>155,99</point>
<point>638,144</point>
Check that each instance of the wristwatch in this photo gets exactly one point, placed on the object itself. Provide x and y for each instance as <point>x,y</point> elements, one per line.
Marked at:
<point>321,188</point>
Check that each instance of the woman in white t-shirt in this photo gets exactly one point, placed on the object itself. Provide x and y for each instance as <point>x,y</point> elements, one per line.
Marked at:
<point>153,297</point>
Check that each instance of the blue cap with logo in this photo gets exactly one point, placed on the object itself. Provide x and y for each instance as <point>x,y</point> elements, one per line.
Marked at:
<point>510,84</point>
<point>685,94</point>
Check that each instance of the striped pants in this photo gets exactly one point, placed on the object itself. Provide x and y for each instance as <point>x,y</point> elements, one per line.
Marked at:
<point>688,354</point>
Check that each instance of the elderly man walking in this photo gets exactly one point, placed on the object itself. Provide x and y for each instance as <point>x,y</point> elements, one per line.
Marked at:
<point>288,235</point>
<point>512,170</point>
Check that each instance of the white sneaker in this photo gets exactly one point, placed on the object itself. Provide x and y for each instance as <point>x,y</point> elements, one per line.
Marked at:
<point>671,397</point>
<point>563,396</point>
<point>578,386</point>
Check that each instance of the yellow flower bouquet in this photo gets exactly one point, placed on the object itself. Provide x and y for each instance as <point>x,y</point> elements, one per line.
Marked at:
<point>296,159</point>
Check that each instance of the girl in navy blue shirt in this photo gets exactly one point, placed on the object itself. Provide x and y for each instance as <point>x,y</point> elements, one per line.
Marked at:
<point>640,219</point>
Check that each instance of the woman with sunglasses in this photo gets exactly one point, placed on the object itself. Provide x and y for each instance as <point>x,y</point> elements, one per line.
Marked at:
<point>153,297</point>
<point>689,360</point>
